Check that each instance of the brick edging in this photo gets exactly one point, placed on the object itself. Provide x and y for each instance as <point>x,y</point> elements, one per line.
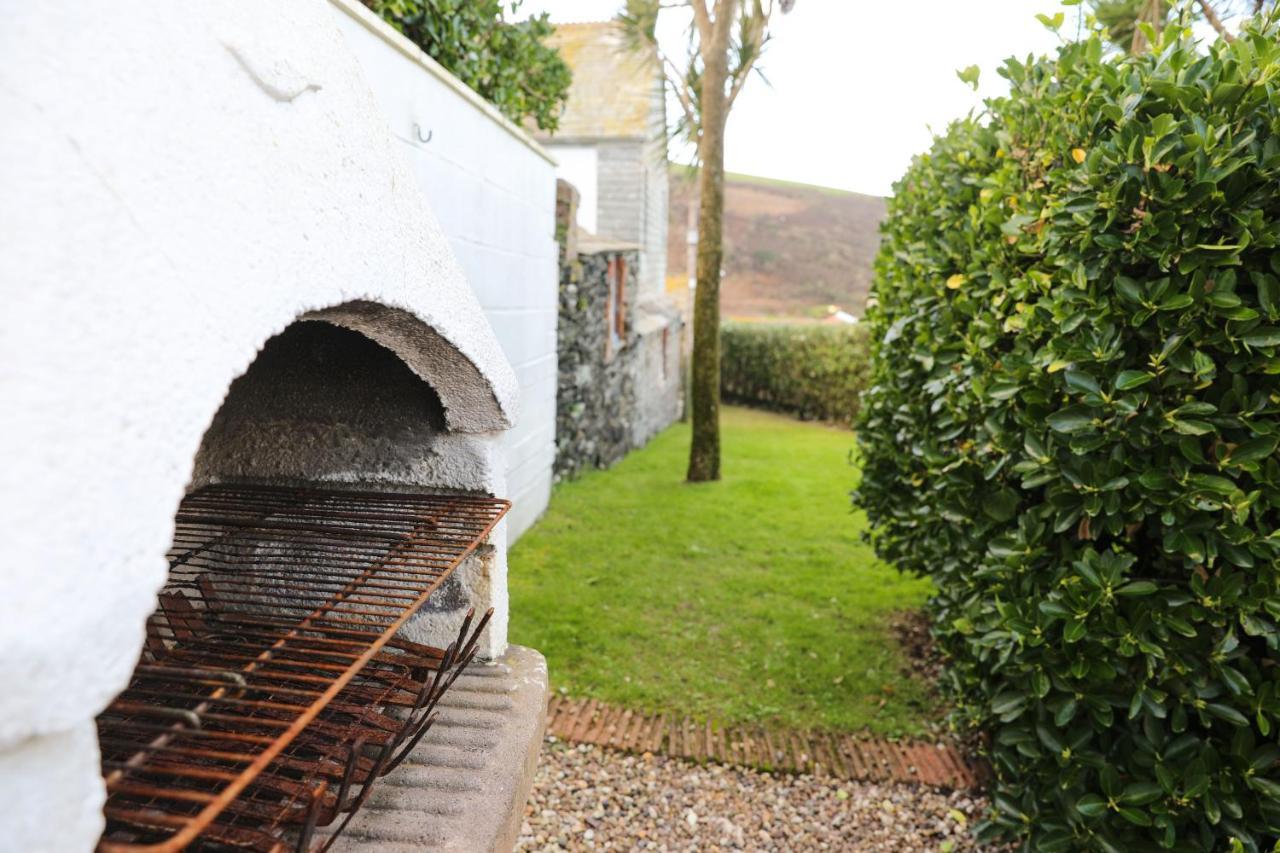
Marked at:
<point>844,756</point>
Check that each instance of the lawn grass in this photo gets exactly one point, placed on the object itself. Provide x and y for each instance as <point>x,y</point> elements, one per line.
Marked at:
<point>750,599</point>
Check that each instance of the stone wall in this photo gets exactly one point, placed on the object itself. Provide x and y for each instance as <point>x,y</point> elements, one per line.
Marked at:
<point>595,398</point>
<point>617,387</point>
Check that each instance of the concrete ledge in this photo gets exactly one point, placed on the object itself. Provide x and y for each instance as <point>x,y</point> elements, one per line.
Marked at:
<point>465,786</point>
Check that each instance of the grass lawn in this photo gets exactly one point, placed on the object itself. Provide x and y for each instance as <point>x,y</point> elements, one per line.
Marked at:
<point>750,599</point>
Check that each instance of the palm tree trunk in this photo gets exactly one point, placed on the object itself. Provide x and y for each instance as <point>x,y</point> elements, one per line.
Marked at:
<point>704,452</point>
<point>1214,21</point>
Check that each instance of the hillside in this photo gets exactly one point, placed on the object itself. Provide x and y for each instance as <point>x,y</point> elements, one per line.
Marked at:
<point>790,249</point>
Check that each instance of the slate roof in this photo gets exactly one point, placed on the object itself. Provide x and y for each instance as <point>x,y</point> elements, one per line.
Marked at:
<point>614,89</point>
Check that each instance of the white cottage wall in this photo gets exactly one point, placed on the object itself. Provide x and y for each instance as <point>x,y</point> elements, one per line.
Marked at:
<point>494,197</point>
<point>579,165</point>
<point>178,183</point>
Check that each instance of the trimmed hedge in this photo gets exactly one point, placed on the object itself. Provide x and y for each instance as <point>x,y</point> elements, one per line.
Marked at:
<point>815,372</point>
<point>1073,426</point>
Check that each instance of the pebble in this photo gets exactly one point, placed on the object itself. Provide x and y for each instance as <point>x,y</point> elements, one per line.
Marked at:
<point>588,798</point>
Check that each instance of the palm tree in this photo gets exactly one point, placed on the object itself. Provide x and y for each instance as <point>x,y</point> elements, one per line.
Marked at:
<point>725,39</point>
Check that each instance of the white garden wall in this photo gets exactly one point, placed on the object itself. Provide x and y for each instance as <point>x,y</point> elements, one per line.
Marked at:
<point>493,192</point>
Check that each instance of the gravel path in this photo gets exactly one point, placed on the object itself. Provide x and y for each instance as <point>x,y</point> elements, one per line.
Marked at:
<point>587,798</point>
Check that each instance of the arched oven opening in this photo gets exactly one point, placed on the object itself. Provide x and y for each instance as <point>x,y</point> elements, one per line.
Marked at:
<point>330,578</point>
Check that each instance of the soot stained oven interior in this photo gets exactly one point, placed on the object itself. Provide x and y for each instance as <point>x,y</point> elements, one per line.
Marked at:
<point>281,675</point>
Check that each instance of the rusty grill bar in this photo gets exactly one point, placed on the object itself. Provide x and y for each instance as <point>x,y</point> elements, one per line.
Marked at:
<point>273,688</point>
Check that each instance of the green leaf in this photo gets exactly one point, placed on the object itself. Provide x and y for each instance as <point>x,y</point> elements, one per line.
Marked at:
<point>1212,483</point>
<point>1052,23</point>
<point>1128,288</point>
<point>1008,703</point>
<point>1127,380</point>
<point>1071,419</point>
<point>1265,336</point>
<point>1235,681</point>
<point>1109,778</point>
<point>1141,793</point>
<point>1137,589</point>
<point>1156,480</point>
<point>1081,382</point>
<point>1003,390</point>
<point>1226,713</point>
<point>1253,450</point>
<point>1054,608</point>
<point>1050,739</point>
<point>1091,805</point>
<point>1001,505</point>
<point>1266,787</point>
<point>1134,816</point>
<point>969,76</point>
<point>1192,427</point>
<point>1268,292</point>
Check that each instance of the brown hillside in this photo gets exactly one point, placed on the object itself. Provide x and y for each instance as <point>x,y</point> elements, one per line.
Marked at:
<point>790,249</point>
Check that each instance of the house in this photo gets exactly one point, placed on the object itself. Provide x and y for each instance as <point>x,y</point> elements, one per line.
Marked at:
<point>619,341</point>
<point>612,143</point>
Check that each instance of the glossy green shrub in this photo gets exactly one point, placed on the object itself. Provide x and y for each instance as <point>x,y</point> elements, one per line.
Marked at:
<point>814,372</point>
<point>506,61</point>
<point>1072,427</point>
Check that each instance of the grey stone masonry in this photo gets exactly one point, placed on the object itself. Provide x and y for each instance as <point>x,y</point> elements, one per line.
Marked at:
<point>596,395</point>
<point>464,787</point>
<point>618,348</point>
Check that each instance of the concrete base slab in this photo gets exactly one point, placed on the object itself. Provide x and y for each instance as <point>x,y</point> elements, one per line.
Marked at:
<point>464,787</point>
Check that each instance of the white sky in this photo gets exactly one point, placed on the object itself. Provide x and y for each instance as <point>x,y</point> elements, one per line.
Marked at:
<point>857,84</point>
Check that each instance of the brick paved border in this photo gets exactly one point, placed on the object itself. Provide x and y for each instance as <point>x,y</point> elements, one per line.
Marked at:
<point>939,765</point>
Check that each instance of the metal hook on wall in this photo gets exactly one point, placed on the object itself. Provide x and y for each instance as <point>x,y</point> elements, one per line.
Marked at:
<point>417,131</point>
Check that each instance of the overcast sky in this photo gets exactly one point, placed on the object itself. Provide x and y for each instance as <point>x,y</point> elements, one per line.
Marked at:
<point>856,84</point>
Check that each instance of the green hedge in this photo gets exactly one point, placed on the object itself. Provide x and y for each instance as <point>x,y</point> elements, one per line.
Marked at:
<point>504,60</point>
<point>1072,428</point>
<point>815,372</point>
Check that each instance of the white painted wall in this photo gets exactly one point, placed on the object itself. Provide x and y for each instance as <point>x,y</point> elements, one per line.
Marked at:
<point>493,192</point>
<point>580,165</point>
<point>178,183</point>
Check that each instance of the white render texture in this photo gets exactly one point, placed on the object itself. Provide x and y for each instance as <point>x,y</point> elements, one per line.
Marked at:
<point>179,182</point>
<point>493,194</point>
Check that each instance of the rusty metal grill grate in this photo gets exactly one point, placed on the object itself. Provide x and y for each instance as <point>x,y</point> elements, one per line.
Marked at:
<point>273,688</point>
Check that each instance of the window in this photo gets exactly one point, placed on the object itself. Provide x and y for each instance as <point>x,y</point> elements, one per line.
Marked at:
<point>616,309</point>
<point>620,298</point>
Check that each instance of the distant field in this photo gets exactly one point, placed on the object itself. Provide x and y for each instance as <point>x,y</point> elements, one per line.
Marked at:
<point>749,599</point>
<point>791,250</point>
